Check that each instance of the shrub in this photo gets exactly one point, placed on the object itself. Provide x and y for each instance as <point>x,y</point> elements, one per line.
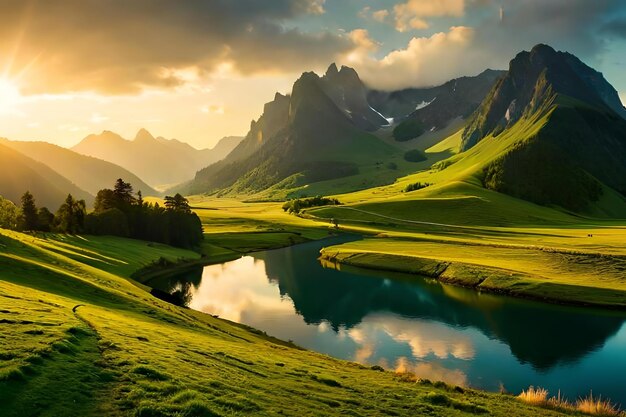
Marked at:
<point>415,186</point>
<point>407,130</point>
<point>415,155</point>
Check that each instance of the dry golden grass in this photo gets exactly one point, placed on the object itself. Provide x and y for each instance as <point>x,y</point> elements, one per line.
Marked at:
<point>535,396</point>
<point>598,406</point>
<point>588,405</point>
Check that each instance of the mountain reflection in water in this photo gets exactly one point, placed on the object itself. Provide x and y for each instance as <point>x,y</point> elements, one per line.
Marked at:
<point>408,323</point>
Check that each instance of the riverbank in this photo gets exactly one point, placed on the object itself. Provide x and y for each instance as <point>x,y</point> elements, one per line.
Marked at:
<point>543,274</point>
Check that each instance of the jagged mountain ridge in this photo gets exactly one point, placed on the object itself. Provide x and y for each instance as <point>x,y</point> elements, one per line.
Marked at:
<point>319,131</point>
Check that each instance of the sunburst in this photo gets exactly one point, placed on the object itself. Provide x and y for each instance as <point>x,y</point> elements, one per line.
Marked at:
<point>9,96</point>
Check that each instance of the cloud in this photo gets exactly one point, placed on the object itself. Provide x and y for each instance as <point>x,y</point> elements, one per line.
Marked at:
<point>504,28</point>
<point>377,15</point>
<point>412,14</point>
<point>121,46</point>
<point>425,61</point>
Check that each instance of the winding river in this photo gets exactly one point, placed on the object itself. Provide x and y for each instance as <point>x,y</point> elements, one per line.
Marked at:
<point>408,323</point>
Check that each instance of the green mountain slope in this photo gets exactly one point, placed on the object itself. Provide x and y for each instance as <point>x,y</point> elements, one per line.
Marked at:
<point>580,149</point>
<point>19,173</point>
<point>88,173</point>
<point>557,158</point>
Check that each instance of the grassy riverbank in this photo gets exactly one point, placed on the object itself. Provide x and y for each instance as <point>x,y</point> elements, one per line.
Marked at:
<point>71,314</point>
<point>539,273</point>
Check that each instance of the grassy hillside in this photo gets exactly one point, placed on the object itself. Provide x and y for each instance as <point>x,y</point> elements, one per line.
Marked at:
<point>70,314</point>
<point>19,173</point>
<point>88,173</point>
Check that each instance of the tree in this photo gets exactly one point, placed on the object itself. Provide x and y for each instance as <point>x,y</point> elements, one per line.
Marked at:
<point>9,214</point>
<point>105,200</point>
<point>123,192</point>
<point>71,215</point>
<point>45,219</point>
<point>29,218</point>
<point>177,203</point>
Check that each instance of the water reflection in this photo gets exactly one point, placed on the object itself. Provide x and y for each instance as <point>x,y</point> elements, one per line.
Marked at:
<point>408,324</point>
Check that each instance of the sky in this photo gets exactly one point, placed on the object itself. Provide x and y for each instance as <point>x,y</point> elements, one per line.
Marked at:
<point>198,70</point>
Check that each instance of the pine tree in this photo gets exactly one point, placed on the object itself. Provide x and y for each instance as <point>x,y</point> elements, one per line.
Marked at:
<point>29,218</point>
<point>123,192</point>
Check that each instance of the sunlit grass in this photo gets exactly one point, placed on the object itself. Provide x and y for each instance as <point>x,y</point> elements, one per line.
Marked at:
<point>589,405</point>
<point>535,396</point>
<point>598,406</point>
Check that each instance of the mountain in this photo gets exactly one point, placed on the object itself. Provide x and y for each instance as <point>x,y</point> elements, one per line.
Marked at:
<point>88,173</point>
<point>318,133</point>
<point>345,89</point>
<point>573,145</point>
<point>158,161</point>
<point>421,110</point>
<point>19,173</point>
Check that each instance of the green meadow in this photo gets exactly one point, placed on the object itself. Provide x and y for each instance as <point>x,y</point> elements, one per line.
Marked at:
<point>71,313</point>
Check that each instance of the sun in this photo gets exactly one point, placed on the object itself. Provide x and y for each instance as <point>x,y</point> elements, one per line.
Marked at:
<point>9,96</point>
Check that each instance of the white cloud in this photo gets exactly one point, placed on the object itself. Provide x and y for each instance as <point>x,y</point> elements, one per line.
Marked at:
<point>425,61</point>
<point>412,14</point>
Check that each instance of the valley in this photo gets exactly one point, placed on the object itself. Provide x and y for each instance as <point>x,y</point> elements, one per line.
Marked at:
<point>437,250</point>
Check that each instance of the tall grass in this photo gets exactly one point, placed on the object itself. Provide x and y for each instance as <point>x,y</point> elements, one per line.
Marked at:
<point>535,396</point>
<point>598,406</point>
<point>588,405</point>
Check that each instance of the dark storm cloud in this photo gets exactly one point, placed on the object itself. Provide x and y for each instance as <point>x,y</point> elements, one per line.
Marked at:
<point>122,45</point>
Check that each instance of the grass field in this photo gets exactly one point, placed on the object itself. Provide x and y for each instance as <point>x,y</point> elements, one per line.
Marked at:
<point>79,338</point>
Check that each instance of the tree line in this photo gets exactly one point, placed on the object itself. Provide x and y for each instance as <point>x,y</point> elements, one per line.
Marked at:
<point>117,211</point>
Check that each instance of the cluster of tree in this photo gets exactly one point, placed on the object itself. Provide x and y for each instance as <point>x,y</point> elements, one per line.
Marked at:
<point>119,212</point>
<point>415,186</point>
<point>295,206</point>
<point>69,218</point>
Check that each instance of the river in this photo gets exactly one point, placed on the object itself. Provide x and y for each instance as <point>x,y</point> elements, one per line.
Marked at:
<point>409,323</point>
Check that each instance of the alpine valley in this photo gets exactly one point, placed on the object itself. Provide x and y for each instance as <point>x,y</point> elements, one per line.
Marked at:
<point>457,249</point>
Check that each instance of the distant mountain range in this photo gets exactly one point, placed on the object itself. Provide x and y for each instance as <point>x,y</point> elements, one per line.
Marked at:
<point>160,162</point>
<point>19,173</point>
<point>88,173</point>
<point>324,131</point>
<point>421,110</point>
<point>551,131</point>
